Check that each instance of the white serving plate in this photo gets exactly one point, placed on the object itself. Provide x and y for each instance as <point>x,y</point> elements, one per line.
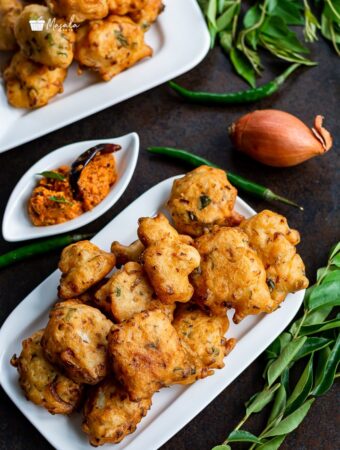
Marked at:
<point>16,224</point>
<point>180,40</point>
<point>173,407</point>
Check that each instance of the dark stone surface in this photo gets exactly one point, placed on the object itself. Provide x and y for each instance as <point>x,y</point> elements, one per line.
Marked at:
<point>162,119</point>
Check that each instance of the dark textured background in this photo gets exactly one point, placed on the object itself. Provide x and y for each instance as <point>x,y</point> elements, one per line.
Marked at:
<point>161,118</point>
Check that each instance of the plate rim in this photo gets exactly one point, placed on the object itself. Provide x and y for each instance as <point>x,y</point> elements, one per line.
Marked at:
<point>82,220</point>
<point>9,143</point>
<point>163,428</point>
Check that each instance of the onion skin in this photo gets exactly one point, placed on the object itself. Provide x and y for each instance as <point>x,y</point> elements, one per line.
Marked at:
<point>279,139</point>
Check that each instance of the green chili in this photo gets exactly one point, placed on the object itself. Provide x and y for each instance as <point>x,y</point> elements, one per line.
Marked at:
<point>40,247</point>
<point>241,183</point>
<point>250,95</point>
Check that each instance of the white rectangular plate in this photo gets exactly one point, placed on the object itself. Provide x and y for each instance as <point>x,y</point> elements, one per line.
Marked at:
<point>173,407</point>
<point>180,40</point>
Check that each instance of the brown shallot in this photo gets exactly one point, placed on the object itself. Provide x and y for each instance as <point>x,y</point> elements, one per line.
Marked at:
<point>279,139</point>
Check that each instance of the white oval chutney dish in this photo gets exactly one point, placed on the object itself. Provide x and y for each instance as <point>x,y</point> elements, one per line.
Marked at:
<point>16,224</point>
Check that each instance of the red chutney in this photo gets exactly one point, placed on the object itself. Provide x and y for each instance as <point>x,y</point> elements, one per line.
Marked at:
<point>52,200</point>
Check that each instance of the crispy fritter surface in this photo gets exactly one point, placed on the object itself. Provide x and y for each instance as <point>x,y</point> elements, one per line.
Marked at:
<point>147,354</point>
<point>110,46</point>
<point>75,339</point>
<point>203,336</point>
<point>83,264</point>
<point>167,259</point>
<point>96,180</point>
<point>109,415</point>
<point>51,46</point>
<point>31,85</point>
<point>43,383</point>
<point>151,230</point>
<point>146,16</point>
<point>79,10</point>
<point>144,12</point>
<point>231,275</point>
<point>129,292</point>
<point>273,240</point>
<point>9,12</point>
<point>127,253</point>
<point>201,199</point>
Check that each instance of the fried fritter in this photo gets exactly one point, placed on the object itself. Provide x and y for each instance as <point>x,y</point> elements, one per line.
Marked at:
<point>42,383</point>
<point>83,265</point>
<point>146,16</point>
<point>144,12</point>
<point>151,230</point>
<point>167,259</point>
<point>273,240</point>
<point>201,199</point>
<point>110,46</point>
<point>128,292</point>
<point>231,275</point>
<point>109,415</point>
<point>127,253</point>
<point>79,10</point>
<point>31,85</point>
<point>203,337</point>
<point>75,339</point>
<point>9,12</point>
<point>147,354</point>
<point>51,46</point>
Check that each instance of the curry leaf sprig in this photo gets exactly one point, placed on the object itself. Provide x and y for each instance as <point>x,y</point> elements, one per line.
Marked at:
<point>267,25</point>
<point>314,341</point>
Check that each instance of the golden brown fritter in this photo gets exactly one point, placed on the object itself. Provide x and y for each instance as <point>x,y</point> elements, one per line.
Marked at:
<point>42,383</point>
<point>75,339</point>
<point>9,12</point>
<point>129,292</point>
<point>147,354</point>
<point>123,7</point>
<point>203,337</point>
<point>96,180</point>
<point>144,12</point>
<point>273,240</point>
<point>31,85</point>
<point>148,14</point>
<point>79,10</point>
<point>82,264</point>
<point>151,230</point>
<point>109,415</point>
<point>110,46</point>
<point>44,210</point>
<point>51,46</point>
<point>231,275</point>
<point>201,199</point>
<point>127,253</point>
<point>167,259</point>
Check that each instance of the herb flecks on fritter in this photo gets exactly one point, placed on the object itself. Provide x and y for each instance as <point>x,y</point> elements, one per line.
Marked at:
<point>270,236</point>
<point>168,260</point>
<point>202,199</point>
<point>31,85</point>
<point>231,275</point>
<point>203,337</point>
<point>129,292</point>
<point>110,46</point>
<point>147,354</point>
